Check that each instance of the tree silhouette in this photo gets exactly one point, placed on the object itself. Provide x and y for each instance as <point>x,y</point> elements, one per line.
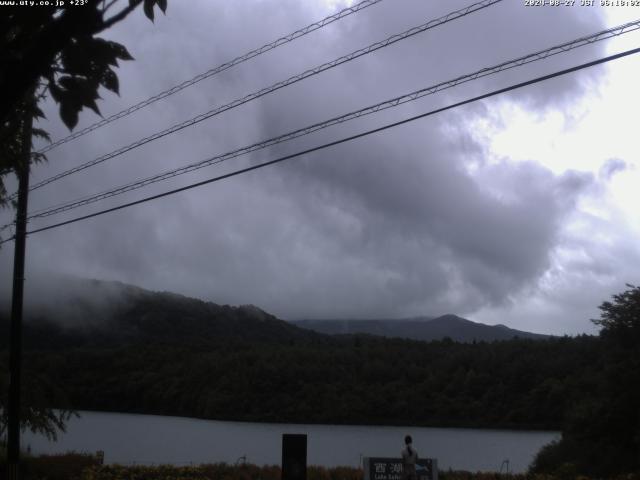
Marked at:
<point>620,319</point>
<point>54,51</point>
<point>602,434</point>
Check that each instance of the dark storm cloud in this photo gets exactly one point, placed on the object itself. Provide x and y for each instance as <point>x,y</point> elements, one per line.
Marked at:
<point>416,197</point>
<point>391,225</point>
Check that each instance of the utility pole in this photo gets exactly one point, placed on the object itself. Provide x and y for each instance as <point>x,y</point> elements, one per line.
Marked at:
<point>15,349</point>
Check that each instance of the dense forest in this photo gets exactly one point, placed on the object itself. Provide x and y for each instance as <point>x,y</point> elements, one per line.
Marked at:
<point>170,355</point>
<point>165,354</point>
<point>515,384</point>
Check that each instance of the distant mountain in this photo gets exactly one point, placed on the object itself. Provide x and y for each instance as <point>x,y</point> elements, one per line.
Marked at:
<point>423,328</point>
<point>65,312</point>
<point>80,312</point>
<point>107,346</point>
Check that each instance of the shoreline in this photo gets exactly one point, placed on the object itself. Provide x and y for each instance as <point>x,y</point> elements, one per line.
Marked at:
<point>315,424</point>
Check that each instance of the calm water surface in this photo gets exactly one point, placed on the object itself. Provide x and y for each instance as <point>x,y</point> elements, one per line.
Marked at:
<point>150,439</point>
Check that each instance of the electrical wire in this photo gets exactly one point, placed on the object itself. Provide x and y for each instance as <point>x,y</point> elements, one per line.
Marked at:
<point>394,102</point>
<point>343,140</point>
<point>260,93</point>
<point>214,71</point>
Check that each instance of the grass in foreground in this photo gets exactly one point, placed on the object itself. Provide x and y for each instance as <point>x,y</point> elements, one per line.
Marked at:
<point>80,466</point>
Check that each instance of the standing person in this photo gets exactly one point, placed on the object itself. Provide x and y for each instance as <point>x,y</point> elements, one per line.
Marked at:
<point>409,459</point>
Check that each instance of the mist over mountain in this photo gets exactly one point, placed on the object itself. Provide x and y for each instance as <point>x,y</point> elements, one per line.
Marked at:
<point>71,311</point>
<point>108,346</point>
<point>424,328</point>
<point>107,312</point>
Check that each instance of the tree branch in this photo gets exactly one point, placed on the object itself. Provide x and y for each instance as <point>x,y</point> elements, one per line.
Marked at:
<point>109,5</point>
<point>119,16</point>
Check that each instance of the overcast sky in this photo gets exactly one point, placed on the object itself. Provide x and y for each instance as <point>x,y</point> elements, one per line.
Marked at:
<point>520,209</point>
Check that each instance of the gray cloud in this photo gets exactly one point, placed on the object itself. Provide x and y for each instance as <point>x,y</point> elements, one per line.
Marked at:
<point>392,225</point>
<point>612,166</point>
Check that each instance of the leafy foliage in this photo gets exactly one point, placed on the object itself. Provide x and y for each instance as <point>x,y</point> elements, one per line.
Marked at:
<point>620,319</point>
<point>14,144</point>
<point>602,433</point>
<point>513,384</point>
<point>83,467</point>
<point>86,66</point>
<point>38,393</point>
<point>54,50</point>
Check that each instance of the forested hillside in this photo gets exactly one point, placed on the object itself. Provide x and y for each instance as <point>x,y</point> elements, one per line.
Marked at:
<point>137,351</point>
<point>299,377</point>
<point>514,384</point>
<point>92,313</point>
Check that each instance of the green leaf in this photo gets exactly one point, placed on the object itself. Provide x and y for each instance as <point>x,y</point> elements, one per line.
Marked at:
<point>69,113</point>
<point>56,93</point>
<point>91,103</point>
<point>40,133</point>
<point>77,92</point>
<point>106,53</point>
<point>109,81</point>
<point>163,5</point>
<point>148,8</point>
<point>88,55</point>
<point>37,113</point>
<point>120,51</point>
<point>77,58</point>
<point>87,93</point>
<point>37,157</point>
<point>91,96</point>
<point>70,84</point>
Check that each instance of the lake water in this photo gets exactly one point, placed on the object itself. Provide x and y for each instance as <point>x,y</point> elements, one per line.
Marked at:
<point>149,439</point>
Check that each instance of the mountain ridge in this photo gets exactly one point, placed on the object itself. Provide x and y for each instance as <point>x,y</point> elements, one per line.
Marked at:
<point>167,354</point>
<point>420,328</point>
<point>100,311</point>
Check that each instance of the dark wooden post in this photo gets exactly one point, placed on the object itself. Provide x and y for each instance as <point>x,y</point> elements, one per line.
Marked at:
<point>294,457</point>
<point>15,348</point>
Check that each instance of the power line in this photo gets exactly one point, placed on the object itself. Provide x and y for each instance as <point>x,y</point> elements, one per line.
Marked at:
<point>291,80</point>
<point>343,140</point>
<point>214,71</point>
<point>540,55</point>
